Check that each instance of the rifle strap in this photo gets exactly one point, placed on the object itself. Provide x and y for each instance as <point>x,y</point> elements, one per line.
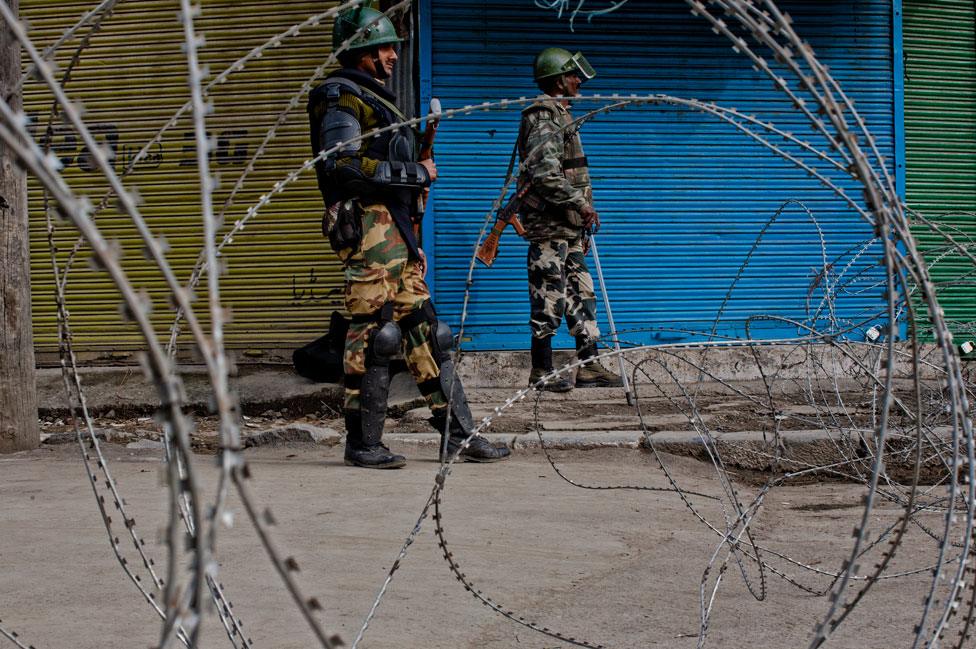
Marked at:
<point>511,164</point>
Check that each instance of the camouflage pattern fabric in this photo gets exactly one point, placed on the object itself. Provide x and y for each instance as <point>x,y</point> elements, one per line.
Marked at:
<point>548,139</point>
<point>560,285</point>
<point>380,271</point>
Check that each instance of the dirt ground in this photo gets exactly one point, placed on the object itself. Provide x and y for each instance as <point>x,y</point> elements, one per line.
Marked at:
<point>620,568</point>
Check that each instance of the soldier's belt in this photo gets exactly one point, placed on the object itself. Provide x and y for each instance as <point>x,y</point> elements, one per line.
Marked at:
<point>575,163</point>
<point>382,314</point>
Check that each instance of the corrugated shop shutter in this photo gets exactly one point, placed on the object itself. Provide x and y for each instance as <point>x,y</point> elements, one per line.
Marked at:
<point>682,196</point>
<point>940,140</point>
<point>282,280</point>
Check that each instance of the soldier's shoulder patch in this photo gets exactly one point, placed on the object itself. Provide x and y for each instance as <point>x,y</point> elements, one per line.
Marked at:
<point>539,116</point>
<point>539,110</point>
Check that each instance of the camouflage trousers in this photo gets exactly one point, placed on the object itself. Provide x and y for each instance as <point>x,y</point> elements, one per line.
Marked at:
<point>560,286</point>
<point>377,273</point>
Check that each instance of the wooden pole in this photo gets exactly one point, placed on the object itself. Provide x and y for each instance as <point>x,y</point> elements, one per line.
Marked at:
<point>18,390</point>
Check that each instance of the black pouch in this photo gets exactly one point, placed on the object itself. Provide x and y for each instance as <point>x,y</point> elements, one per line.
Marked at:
<point>343,225</point>
<point>321,359</point>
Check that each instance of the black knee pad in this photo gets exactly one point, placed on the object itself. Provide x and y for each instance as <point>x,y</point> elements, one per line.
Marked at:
<point>384,344</point>
<point>442,338</point>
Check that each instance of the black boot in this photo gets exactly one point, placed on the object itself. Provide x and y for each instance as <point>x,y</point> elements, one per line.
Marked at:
<point>367,453</point>
<point>449,385</point>
<point>478,449</point>
<point>366,449</point>
<point>542,365</point>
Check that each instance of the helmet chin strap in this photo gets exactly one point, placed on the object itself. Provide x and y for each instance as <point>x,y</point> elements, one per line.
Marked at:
<point>561,87</point>
<point>379,71</point>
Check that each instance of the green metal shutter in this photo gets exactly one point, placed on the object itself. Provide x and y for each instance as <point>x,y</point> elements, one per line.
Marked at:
<point>940,139</point>
<point>282,279</point>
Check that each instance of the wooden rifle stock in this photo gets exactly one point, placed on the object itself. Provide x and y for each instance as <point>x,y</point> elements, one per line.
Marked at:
<point>508,215</point>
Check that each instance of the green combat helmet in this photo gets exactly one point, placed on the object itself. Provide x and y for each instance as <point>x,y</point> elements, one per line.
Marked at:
<point>555,61</point>
<point>377,29</point>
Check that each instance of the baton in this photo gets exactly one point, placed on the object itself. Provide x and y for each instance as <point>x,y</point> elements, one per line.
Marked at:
<point>613,327</point>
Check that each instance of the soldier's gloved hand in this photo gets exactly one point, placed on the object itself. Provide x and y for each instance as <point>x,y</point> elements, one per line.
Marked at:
<point>591,220</point>
<point>431,168</point>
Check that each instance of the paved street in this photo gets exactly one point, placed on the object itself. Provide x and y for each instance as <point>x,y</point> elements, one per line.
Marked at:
<point>618,568</point>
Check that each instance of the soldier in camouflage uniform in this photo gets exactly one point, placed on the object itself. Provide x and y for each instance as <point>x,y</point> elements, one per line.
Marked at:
<point>558,215</point>
<point>371,187</point>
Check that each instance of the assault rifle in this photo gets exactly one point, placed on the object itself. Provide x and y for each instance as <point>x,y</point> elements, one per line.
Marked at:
<point>507,215</point>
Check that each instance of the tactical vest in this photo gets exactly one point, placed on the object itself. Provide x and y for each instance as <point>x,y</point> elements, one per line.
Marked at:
<point>574,163</point>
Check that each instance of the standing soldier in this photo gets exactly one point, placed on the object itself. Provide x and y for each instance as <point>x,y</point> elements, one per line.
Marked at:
<point>371,187</point>
<point>558,215</point>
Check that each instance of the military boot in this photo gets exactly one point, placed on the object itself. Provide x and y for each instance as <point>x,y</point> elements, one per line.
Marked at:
<point>367,453</point>
<point>542,365</point>
<point>478,449</point>
<point>593,374</point>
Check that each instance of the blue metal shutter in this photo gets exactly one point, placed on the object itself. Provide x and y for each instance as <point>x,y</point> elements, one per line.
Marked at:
<point>682,195</point>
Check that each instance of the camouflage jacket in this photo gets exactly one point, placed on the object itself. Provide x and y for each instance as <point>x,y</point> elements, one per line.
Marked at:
<point>556,169</point>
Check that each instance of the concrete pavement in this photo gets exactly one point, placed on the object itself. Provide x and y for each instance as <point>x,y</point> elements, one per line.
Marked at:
<point>615,568</point>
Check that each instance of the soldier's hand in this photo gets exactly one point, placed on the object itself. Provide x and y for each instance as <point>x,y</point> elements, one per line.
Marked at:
<point>591,220</point>
<point>423,262</point>
<point>431,168</point>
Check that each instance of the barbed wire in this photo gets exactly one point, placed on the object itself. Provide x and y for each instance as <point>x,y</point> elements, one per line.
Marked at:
<point>915,266</point>
<point>237,66</point>
<point>13,636</point>
<point>74,394</point>
<point>45,168</point>
<point>270,135</point>
<point>915,423</point>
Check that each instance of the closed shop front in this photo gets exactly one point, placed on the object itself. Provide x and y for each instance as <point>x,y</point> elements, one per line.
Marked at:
<point>940,142</point>
<point>683,196</point>
<point>131,76</point>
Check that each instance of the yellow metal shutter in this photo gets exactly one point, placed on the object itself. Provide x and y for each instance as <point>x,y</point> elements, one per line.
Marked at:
<point>282,280</point>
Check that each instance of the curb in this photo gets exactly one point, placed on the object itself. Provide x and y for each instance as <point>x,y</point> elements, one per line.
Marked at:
<point>800,450</point>
<point>293,434</point>
<point>570,441</point>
